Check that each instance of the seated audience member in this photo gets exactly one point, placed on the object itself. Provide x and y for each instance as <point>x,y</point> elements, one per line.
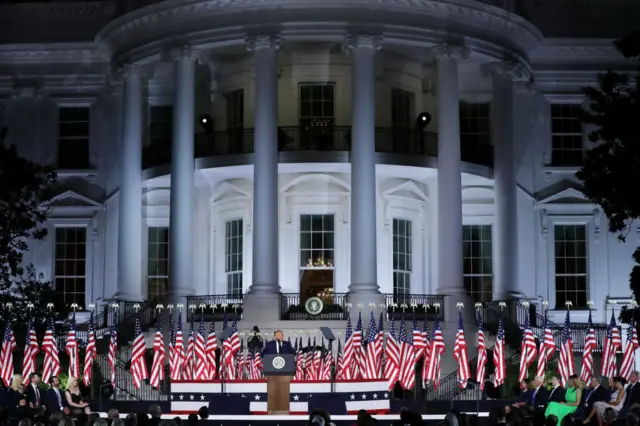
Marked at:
<point>573,395</point>
<point>319,417</point>
<point>155,412</point>
<point>32,391</point>
<point>616,402</point>
<point>76,404</point>
<point>556,394</point>
<point>526,395</point>
<point>539,394</point>
<point>117,422</point>
<point>16,400</point>
<point>54,399</point>
<point>551,421</point>
<point>595,392</point>
<point>633,390</point>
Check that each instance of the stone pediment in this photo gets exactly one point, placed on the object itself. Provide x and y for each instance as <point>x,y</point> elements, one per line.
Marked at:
<point>228,191</point>
<point>566,196</point>
<point>72,199</point>
<point>407,189</point>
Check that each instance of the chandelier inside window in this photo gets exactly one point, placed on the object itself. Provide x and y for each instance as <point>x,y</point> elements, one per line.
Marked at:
<point>320,262</point>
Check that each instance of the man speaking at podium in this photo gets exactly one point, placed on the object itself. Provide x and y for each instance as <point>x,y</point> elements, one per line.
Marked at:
<point>278,345</point>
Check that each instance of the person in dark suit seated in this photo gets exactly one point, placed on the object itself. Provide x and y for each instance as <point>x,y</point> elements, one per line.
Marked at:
<point>278,345</point>
<point>633,390</point>
<point>16,401</point>
<point>526,395</point>
<point>557,393</point>
<point>32,392</point>
<point>54,399</point>
<point>540,394</point>
<point>595,392</point>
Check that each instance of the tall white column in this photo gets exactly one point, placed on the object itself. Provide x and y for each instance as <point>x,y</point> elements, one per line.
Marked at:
<point>449,175</point>
<point>505,186</point>
<point>364,277</point>
<point>130,192</point>
<point>182,174</point>
<point>265,167</point>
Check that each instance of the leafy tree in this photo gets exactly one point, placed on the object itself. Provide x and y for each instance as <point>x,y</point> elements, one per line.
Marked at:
<point>611,169</point>
<point>24,188</point>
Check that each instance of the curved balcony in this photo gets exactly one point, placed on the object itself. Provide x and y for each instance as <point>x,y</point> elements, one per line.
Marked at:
<point>317,145</point>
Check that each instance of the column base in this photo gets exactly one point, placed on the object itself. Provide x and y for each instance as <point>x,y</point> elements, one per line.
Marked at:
<point>365,299</point>
<point>260,308</point>
<point>128,297</point>
<point>507,295</point>
<point>451,299</point>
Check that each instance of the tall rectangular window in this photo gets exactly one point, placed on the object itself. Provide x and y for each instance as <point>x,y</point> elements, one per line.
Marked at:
<point>317,260</point>
<point>157,263</point>
<point>317,104</point>
<point>73,138</point>
<point>477,259</point>
<point>233,238</point>
<point>566,135</point>
<point>571,265</point>
<point>401,257</point>
<point>70,264</point>
<point>160,126</point>
<point>235,109</point>
<point>475,124</point>
<point>402,108</point>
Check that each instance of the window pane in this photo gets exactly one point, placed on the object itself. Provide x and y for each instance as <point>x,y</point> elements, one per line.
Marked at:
<point>70,264</point>
<point>475,130</point>
<point>316,101</point>
<point>234,235</point>
<point>157,262</point>
<point>401,243</point>
<point>566,135</point>
<point>571,265</point>
<point>73,137</point>
<point>477,261</point>
<point>316,241</point>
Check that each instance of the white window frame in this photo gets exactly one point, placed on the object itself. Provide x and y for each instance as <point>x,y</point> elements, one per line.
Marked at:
<point>240,272</point>
<point>408,273</point>
<point>581,134</point>
<point>312,267</point>
<point>154,224</point>
<point>493,247</point>
<point>78,104</point>
<point>586,275</point>
<point>89,225</point>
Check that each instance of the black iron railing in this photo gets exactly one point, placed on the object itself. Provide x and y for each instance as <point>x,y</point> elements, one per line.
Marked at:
<point>215,307</point>
<point>293,307</point>
<point>330,138</point>
<point>424,306</point>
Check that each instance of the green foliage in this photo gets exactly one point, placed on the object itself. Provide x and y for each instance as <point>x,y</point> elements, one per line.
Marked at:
<point>24,187</point>
<point>612,166</point>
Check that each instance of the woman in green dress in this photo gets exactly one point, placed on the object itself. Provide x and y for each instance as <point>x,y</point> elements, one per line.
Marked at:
<point>571,401</point>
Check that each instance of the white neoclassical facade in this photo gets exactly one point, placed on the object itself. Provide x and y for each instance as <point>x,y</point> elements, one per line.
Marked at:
<point>228,147</point>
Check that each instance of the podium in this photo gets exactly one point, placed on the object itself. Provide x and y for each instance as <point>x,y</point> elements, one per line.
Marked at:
<point>279,369</point>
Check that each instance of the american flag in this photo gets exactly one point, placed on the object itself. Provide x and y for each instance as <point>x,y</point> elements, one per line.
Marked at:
<point>201,371</point>
<point>359,366</point>
<point>159,355</point>
<point>482,353</point>
<point>190,354</point>
<point>392,357</point>
<point>71,348</point>
<point>6,355</point>
<point>587,355</point>
<point>344,372</point>
<point>528,349</point>
<point>460,354</point>
<point>371,366</point>
<point>612,344</point>
<point>51,365</point>
<point>328,361</point>
<point>419,339</point>
<point>407,376</point>
<point>547,348</point>
<point>380,346</point>
<point>176,350</point>
<point>90,353</point>
<point>113,347</point>
<point>31,349</point>
<point>300,361</point>
<point>427,351</point>
<point>231,347</point>
<point>211,347</point>
<point>565,366</point>
<point>498,355</point>
<point>629,357</point>
<point>138,361</point>
<point>256,366</point>
<point>437,349</point>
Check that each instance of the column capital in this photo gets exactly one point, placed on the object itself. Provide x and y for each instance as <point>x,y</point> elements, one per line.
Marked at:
<point>176,53</point>
<point>122,71</point>
<point>361,41</point>
<point>263,42</point>
<point>450,50</point>
<point>509,69</point>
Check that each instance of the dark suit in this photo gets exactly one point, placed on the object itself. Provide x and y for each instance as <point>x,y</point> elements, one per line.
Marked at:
<point>540,397</point>
<point>557,394</point>
<point>632,394</point>
<point>271,348</point>
<point>34,395</point>
<point>591,396</point>
<point>526,396</point>
<point>52,402</point>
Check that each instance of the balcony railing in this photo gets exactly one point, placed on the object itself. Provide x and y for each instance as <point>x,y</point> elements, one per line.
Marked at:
<point>215,307</point>
<point>424,306</point>
<point>325,139</point>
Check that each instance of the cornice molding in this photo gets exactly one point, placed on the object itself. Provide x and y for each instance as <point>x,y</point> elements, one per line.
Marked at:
<point>567,49</point>
<point>51,53</point>
<point>139,34</point>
